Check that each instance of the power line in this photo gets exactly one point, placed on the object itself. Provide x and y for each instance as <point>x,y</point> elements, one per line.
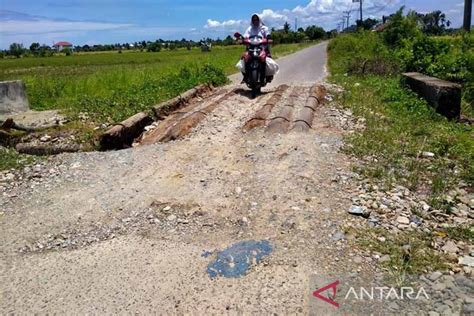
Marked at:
<point>390,2</point>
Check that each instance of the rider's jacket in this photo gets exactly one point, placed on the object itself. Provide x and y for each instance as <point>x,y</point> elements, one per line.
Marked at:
<point>260,30</point>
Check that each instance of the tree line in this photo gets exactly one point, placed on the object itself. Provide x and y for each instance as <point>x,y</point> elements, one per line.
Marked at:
<point>432,23</point>
<point>312,33</point>
<point>280,36</point>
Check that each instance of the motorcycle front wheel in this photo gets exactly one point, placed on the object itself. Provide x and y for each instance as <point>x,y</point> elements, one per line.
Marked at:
<point>254,81</point>
<point>254,93</point>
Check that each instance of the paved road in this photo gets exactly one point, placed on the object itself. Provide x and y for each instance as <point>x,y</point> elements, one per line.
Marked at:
<point>307,65</point>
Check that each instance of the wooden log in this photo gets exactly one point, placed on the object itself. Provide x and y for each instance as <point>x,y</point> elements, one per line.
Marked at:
<point>122,135</point>
<point>262,114</point>
<point>443,96</point>
<point>46,149</point>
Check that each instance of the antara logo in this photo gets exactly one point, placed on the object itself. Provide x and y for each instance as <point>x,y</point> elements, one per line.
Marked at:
<point>332,286</point>
<point>373,293</point>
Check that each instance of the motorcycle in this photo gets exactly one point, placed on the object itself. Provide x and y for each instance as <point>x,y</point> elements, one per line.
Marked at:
<point>255,58</point>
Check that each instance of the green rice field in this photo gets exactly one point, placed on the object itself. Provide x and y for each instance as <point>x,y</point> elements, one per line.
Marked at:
<point>112,86</point>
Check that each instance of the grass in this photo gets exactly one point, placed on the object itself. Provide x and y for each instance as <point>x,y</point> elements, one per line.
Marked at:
<point>400,127</point>
<point>410,253</point>
<point>10,159</point>
<point>460,233</point>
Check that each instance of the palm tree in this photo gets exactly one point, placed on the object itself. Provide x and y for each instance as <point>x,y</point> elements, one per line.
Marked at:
<point>435,22</point>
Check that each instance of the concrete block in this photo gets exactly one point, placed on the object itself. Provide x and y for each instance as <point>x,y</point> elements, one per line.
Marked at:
<point>13,97</point>
<point>443,96</point>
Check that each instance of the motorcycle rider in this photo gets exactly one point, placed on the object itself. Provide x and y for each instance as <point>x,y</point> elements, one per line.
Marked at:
<point>258,28</point>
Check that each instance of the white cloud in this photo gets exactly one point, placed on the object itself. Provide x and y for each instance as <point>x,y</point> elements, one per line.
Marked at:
<point>326,13</point>
<point>270,16</point>
<point>24,28</point>
<point>213,24</point>
<point>18,27</point>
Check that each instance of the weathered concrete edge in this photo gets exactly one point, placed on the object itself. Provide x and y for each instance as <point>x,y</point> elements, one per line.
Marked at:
<point>13,97</point>
<point>165,108</point>
<point>122,135</point>
<point>46,149</point>
<point>444,96</point>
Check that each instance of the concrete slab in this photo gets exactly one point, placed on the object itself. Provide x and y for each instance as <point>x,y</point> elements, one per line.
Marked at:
<point>443,96</point>
<point>13,97</point>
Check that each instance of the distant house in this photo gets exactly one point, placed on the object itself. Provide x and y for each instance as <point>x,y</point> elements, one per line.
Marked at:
<point>59,46</point>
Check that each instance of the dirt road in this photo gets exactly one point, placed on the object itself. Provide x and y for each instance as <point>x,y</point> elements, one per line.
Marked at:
<point>140,230</point>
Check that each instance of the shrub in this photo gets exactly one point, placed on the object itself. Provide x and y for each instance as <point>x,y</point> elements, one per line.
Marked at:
<point>16,50</point>
<point>154,47</point>
<point>448,58</point>
<point>67,51</point>
<point>213,75</point>
<point>364,53</point>
<point>401,28</point>
<point>422,53</point>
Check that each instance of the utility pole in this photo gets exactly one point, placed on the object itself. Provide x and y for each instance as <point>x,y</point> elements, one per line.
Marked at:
<point>467,15</point>
<point>343,23</point>
<point>361,17</point>
<point>347,16</point>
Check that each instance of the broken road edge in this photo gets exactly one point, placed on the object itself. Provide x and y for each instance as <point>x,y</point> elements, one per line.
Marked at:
<point>121,135</point>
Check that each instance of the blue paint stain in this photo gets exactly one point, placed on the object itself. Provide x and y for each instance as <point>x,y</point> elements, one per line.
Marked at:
<point>206,254</point>
<point>234,261</point>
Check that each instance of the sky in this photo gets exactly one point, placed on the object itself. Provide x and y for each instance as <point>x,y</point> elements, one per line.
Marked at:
<point>118,21</point>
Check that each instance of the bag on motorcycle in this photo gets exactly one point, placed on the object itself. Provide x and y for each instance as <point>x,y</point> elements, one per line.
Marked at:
<point>272,67</point>
<point>241,66</point>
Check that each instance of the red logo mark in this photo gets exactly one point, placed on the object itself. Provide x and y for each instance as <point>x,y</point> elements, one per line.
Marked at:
<point>324,298</point>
